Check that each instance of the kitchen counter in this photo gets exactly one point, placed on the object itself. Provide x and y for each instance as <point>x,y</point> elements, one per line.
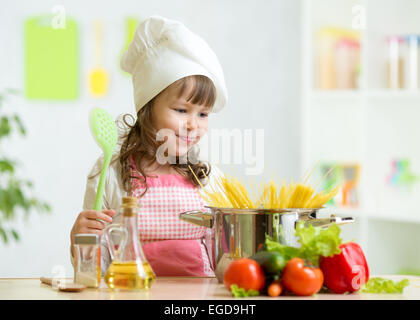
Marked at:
<point>185,288</point>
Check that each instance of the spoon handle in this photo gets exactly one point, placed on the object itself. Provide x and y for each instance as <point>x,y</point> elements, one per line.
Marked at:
<point>101,184</point>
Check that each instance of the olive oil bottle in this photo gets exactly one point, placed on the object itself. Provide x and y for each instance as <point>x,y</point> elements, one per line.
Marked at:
<point>129,269</point>
<point>129,276</point>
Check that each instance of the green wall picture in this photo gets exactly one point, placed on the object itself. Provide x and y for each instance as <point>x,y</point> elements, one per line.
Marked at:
<point>51,59</point>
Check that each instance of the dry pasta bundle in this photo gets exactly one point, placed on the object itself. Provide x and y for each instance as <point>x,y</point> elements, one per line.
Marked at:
<point>232,193</point>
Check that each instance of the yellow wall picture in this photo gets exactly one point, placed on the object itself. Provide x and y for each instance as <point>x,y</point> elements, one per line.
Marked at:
<point>98,76</point>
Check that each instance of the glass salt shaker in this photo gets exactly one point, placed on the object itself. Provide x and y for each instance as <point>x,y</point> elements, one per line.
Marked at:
<point>87,266</point>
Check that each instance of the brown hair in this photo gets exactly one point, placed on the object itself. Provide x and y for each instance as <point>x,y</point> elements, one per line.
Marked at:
<point>140,142</point>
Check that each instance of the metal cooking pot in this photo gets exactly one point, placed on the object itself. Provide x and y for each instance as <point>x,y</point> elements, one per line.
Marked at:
<point>241,232</point>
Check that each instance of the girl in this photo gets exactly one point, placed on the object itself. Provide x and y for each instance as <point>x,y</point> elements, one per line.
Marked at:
<point>177,82</point>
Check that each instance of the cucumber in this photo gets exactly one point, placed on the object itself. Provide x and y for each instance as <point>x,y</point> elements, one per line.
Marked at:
<point>271,262</point>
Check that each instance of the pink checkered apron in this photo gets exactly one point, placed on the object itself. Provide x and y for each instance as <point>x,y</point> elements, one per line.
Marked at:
<point>171,246</point>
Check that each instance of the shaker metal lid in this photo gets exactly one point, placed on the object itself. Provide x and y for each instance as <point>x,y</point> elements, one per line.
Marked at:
<point>86,238</point>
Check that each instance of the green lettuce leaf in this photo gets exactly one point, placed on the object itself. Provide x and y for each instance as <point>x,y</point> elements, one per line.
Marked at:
<point>381,285</point>
<point>314,243</point>
<point>241,292</point>
<point>286,251</point>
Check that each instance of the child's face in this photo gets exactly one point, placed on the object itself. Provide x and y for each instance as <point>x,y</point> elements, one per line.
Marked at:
<point>183,123</point>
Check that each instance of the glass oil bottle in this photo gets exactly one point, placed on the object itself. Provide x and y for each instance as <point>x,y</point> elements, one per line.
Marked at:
<point>129,269</point>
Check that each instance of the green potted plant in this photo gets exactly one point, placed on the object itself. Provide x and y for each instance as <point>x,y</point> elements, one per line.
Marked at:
<point>14,198</point>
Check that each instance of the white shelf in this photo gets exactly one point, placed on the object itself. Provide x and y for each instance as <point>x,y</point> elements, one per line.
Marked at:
<point>377,216</point>
<point>399,218</point>
<point>357,212</point>
<point>335,94</point>
<point>360,94</point>
<point>393,94</point>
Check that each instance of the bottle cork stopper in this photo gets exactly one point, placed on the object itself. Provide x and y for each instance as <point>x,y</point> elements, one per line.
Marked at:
<point>129,206</point>
<point>129,202</point>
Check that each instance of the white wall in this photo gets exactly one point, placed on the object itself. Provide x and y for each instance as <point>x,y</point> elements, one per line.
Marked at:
<point>257,43</point>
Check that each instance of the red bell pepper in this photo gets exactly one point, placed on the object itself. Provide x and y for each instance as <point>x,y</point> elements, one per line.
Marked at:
<point>347,271</point>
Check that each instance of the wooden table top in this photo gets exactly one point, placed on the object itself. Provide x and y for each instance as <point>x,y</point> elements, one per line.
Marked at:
<point>180,288</point>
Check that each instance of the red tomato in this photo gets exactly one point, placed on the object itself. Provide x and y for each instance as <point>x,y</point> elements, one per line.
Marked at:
<point>300,279</point>
<point>245,273</point>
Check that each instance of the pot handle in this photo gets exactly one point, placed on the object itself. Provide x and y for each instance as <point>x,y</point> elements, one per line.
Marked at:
<point>325,222</point>
<point>198,218</point>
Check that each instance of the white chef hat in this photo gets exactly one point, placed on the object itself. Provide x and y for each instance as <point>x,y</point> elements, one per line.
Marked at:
<point>163,51</point>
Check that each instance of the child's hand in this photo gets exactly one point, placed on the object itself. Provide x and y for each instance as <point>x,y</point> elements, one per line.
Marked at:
<point>87,222</point>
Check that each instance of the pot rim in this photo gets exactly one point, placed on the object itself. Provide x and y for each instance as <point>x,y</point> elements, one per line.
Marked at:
<point>233,211</point>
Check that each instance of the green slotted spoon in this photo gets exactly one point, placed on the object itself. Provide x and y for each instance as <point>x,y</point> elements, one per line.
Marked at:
<point>105,132</point>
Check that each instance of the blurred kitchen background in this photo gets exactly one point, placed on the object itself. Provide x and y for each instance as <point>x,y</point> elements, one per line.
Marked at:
<point>332,83</point>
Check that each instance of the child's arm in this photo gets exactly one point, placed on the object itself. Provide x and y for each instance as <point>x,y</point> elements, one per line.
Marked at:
<point>86,221</point>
